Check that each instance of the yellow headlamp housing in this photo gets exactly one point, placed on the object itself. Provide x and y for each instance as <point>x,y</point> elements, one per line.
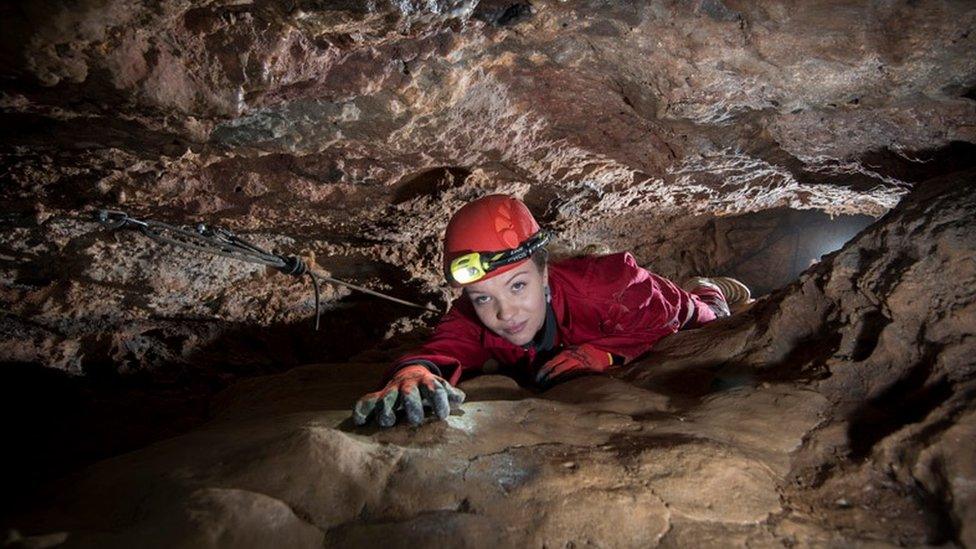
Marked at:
<point>472,267</point>
<point>468,268</point>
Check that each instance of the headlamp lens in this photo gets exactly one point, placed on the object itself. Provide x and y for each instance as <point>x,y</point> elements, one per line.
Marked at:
<point>467,268</point>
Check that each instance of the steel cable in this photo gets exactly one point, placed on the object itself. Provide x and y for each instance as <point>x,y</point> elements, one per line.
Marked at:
<point>227,244</point>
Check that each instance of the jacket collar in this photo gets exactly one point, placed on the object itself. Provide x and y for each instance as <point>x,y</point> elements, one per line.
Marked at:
<point>545,339</point>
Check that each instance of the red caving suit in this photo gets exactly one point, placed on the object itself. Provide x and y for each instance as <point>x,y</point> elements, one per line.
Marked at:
<point>607,301</point>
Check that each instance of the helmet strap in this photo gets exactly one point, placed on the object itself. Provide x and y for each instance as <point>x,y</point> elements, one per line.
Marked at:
<point>524,251</point>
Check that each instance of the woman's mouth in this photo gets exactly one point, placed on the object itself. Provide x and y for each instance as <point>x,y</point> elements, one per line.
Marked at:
<point>516,328</point>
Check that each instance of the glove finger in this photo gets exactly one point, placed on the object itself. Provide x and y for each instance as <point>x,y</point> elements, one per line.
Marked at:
<point>560,369</point>
<point>412,406</point>
<point>546,370</point>
<point>433,394</point>
<point>553,370</point>
<point>454,395</point>
<point>542,377</point>
<point>543,381</point>
<point>364,407</point>
<point>442,408</point>
<point>385,414</point>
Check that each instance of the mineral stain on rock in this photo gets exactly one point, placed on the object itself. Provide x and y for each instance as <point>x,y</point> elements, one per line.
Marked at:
<point>822,152</point>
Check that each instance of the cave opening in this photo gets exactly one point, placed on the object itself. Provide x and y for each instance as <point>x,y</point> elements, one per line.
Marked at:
<point>767,250</point>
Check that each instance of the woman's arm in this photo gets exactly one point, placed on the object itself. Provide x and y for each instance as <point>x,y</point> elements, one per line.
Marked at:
<point>456,347</point>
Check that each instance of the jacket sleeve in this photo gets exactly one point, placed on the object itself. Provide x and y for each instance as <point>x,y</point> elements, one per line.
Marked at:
<point>635,308</point>
<point>455,347</point>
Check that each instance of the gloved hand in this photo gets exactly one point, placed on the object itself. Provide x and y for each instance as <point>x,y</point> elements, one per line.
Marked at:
<point>410,389</point>
<point>581,359</point>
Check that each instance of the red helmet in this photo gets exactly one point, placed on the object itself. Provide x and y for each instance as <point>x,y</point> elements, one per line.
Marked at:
<point>493,223</point>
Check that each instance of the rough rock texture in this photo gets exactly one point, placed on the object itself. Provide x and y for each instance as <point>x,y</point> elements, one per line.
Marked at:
<point>349,131</point>
<point>707,136</point>
<point>883,330</point>
<point>836,412</point>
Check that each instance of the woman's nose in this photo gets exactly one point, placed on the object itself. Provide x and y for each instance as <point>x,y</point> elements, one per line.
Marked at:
<point>505,311</point>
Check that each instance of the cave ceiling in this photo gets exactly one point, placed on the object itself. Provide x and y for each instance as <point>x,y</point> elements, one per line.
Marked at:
<point>349,131</point>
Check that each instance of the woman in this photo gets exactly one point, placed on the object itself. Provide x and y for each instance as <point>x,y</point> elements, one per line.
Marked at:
<point>545,322</point>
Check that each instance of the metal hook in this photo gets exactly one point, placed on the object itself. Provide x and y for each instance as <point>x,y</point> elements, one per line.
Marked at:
<point>111,219</point>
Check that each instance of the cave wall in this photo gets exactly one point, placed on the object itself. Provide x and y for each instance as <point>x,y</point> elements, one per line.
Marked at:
<point>349,132</point>
<point>883,329</point>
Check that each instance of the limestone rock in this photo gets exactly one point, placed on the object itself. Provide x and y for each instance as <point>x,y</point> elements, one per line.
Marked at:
<point>836,411</point>
<point>350,132</point>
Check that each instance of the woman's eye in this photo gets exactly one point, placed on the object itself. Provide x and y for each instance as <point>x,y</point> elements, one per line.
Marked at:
<point>481,300</point>
<point>517,287</point>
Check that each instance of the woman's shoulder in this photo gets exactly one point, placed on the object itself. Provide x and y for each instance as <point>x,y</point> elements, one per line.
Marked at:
<point>582,274</point>
<point>581,265</point>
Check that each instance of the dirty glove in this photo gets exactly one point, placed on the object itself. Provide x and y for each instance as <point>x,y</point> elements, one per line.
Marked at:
<point>410,389</point>
<point>574,361</point>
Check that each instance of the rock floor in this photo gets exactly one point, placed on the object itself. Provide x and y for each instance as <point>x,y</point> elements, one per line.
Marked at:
<point>593,461</point>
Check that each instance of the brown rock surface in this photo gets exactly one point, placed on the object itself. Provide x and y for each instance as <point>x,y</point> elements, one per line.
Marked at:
<point>709,137</point>
<point>783,425</point>
<point>349,131</point>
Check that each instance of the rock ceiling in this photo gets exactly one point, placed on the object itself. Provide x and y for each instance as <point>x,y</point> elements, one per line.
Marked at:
<point>349,131</point>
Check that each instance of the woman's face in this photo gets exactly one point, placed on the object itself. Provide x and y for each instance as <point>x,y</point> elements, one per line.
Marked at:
<point>512,304</point>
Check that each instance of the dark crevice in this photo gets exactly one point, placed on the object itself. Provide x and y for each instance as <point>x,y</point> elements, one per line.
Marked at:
<point>43,134</point>
<point>961,399</point>
<point>911,166</point>
<point>812,477</point>
<point>892,274</point>
<point>541,200</point>
<point>429,183</point>
<point>141,386</point>
<point>806,362</point>
<point>58,422</point>
<point>871,326</point>
<point>924,164</point>
<point>941,524</point>
<point>626,447</point>
<point>502,13</point>
<point>907,401</point>
<point>514,13</point>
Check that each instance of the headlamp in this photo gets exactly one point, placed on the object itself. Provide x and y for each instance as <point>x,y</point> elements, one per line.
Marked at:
<point>474,266</point>
<point>468,268</point>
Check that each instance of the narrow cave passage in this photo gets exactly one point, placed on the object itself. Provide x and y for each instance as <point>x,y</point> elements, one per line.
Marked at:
<point>767,250</point>
<point>823,156</point>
